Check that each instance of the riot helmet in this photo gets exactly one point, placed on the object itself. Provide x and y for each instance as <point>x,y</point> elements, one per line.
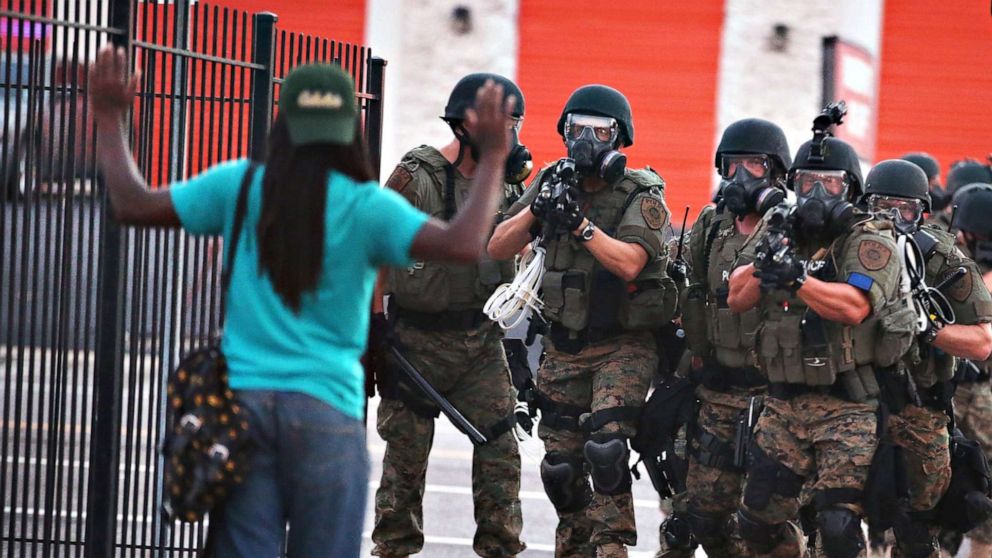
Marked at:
<point>972,218</point>
<point>899,190</point>
<point>967,172</point>
<point>518,161</point>
<point>939,197</point>
<point>753,158</point>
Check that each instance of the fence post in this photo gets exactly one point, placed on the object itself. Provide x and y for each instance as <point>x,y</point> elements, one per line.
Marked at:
<point>373,119</point>
<point>262,53</point>
<point>101,493</point>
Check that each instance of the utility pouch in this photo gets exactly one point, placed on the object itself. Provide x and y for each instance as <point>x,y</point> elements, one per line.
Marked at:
<point>748,324</point>
<point>769,351</point>
<point>490,274</point>
<point>966,503</point>
<point>423,287</point>
<point>693,304</point>
<point>650,306</point>
<point>560,254</point>
<point>860,384</point>
<point>575,300</point>
<point>895,335</point>
<point>818,367</point>
<point>726,330</point>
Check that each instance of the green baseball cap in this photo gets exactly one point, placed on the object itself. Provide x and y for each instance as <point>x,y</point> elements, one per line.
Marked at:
<point>318,101</point>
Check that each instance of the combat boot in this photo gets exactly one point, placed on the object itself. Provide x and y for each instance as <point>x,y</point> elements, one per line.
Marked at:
<point>611,550</point>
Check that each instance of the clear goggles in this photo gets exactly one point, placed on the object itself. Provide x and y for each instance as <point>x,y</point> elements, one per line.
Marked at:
<point>757,166</point>
<point>834,182</point>
<point>516,123</point>
<point>907,210</point>
<point>603,128</point>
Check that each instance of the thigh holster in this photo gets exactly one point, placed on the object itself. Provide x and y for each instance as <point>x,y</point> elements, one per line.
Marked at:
<point>766,477</point>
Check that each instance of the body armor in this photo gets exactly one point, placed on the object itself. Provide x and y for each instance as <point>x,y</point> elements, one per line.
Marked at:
<point>796,346</point>
<point>580,295</point>
<point>712,329</point>
<point>437,286</point>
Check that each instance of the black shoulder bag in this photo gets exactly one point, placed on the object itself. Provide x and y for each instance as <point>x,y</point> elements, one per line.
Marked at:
<point>206,441</point>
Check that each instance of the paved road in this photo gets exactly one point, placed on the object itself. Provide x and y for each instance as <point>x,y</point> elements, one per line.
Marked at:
<point>448,522</point>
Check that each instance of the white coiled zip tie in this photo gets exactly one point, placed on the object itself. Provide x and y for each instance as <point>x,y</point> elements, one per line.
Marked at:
<point>513,302</point>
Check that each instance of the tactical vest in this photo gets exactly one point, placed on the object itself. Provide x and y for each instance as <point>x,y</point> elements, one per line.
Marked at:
<point>712,329</point>
<point>938,249</point>
<point>434,286</point>
<point>796,346</point>
<point>579,293</point>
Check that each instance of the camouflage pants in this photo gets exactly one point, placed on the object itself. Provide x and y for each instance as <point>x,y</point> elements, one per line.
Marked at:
<point>715,492</point>
<point>973,413</point>
<point>922,433</point>
<point>614,373</point>
<point>828,441</point>
<point>470,369</point>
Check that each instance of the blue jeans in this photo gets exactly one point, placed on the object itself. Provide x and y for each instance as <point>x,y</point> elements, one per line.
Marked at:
<point>310,468</point>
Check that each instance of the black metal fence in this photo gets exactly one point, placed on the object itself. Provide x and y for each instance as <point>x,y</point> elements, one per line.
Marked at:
<point>93,315</point>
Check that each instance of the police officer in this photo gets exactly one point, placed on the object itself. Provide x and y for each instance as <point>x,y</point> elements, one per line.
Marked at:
<point>898,190</point>
<point>973,397</point>
<point>826,283</point>
<point>753,158</point>
<point>939,197</point>
<point>604,289</point>
<point>440,328</point>
<point>962,173</point>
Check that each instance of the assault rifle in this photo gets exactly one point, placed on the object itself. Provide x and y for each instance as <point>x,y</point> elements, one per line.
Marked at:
<point>559,190</point>
<point>775,250</point>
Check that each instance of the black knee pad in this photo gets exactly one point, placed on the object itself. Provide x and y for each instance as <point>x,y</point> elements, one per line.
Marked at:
<point>765,477</point>
<point>761,537</point>
<point>565,482</point>
<point>708,529</point>
<point>677,533</point>
<point>840,532</point>
<point>607,455</point>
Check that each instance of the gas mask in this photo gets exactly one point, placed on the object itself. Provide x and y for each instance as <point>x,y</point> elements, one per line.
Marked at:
<point>904,213</point>
<point>518,161</point>
<point>591,142</point>
<point>747,185</point>
<point>823,211</point>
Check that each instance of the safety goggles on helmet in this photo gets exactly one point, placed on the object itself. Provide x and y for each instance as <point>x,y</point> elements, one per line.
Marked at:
<point>833,182</point>
<point>604,128</point>
<point>755,165</point>
<point>908,210</point>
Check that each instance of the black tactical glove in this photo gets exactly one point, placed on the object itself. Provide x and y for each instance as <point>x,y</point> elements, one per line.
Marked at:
<point>542,204</point>
<point>567,215</point>
<point>788,272</point>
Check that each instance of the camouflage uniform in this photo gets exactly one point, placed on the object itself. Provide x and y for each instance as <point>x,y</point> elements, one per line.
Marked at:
<point>921,430</point>
<point>721,344</point>
<point>443,333</point>
<point>973,416</point>
<point>818,425</point>
<point>600,357</point>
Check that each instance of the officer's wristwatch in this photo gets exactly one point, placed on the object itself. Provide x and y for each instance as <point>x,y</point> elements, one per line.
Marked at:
<point>586,233</point>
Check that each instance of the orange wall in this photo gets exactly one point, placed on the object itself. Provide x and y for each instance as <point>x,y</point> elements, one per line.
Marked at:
<point>341,20</point>
<point>936,86</point>
<point>662,55</point>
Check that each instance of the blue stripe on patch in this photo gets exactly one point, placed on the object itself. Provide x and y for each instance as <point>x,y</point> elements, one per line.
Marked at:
<point>861,281</point>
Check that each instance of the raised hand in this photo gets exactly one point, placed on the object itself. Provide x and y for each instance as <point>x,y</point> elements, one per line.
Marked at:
<point>111,86</point>
<point>489,119</point>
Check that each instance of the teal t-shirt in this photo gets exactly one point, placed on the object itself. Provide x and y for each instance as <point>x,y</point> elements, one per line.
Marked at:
<point>316,351</point>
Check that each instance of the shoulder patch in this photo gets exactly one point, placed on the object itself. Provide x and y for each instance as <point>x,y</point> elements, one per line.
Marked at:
<point>873,254</point>
<point>653,212</point>
<point>961,289</point>
<point>400,179</point>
